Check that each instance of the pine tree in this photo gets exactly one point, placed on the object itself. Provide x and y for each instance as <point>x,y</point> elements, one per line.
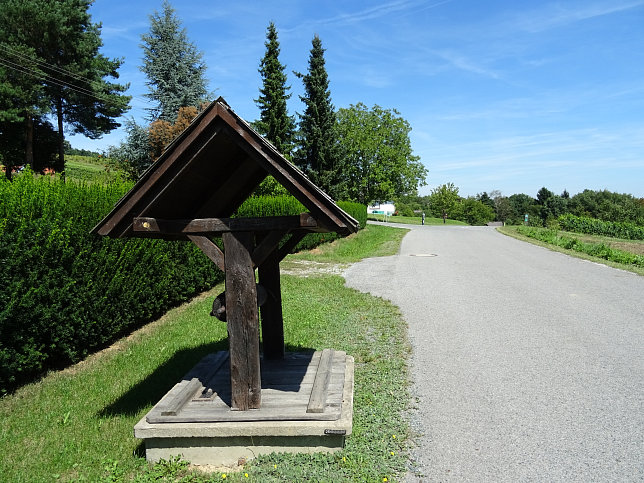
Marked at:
<point>274,123</point>
<point>173,65</point>
<point>318,154</point>
<point>56,44</point>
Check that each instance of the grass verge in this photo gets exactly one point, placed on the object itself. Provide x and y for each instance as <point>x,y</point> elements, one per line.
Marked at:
<point>616,253</point>
<point>76,424</point>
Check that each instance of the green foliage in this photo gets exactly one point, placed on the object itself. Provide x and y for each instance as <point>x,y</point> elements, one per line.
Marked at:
<point>380,164</point>
<point>173,66</point>
<point>599,250</point>
<point>134,155</point>
<point>274,123</point>
<point>593,226</point>
<point>67,292</point>
<point>258,206</point>
<point>444,200</point>
<point>318,154</point>
<point>475,212</point>
<point>608,206</point>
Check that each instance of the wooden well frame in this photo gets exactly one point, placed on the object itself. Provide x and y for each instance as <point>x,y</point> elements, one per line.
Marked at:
<point>191,192</point>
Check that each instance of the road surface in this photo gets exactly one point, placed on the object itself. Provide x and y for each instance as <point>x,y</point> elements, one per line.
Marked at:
<point>527,364</point>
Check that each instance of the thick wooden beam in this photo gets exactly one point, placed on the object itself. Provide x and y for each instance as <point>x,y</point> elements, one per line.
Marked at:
<point>243,321</point>
<point>223,225</point>
<point>211,250</point>
<point>271,311</point>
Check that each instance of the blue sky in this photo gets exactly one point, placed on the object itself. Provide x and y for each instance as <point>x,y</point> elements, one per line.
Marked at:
<point>501,95</point>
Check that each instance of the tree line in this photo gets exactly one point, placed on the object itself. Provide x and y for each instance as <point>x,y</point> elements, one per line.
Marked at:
<point>51,68</point>
<point>542,209</point>
<point>355,153</point>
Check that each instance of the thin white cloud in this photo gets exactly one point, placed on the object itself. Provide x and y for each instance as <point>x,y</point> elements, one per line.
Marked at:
<point>558,15</point>
<point>462,62</point>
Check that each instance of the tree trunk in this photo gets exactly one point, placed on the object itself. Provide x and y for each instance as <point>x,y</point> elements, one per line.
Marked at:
<point>29,141</point>
<point>60,165</point>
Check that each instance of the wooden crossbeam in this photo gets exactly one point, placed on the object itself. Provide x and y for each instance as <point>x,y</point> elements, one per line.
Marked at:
<point>211,250</point>
<point>224,225</point>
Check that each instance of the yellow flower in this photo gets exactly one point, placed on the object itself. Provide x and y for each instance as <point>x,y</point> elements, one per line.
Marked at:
<point>393,436</point>
<point>245,475</point>
<point>385,479</point>
<point>275,466</point>
<point>392,453</point>
<point>223,476</point>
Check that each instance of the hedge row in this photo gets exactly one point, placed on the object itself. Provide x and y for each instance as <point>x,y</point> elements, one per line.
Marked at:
<point>288,205</point>
<point>599,250</point>
<point>594,226</point>
<point>67,293</point>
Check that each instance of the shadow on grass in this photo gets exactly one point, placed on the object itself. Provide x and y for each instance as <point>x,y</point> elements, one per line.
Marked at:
<point>152,388</point>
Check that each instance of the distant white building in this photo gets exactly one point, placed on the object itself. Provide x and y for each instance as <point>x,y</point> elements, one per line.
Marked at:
<point>382,208</point>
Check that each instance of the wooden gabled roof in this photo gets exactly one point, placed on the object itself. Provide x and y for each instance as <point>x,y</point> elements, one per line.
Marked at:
<point>209,170</point>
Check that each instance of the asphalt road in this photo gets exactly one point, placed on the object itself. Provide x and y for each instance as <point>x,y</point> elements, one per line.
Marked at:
<point>527,364</point>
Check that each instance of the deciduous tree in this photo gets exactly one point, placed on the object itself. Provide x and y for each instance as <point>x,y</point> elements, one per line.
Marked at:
<point>380,163</point>
<point>443,200</point>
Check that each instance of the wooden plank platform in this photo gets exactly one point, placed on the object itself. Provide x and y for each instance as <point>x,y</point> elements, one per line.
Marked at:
<point>301,387</point>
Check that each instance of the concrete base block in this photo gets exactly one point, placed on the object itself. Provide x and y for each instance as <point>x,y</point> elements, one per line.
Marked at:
<point>225,443</point>
<point>230,451</point>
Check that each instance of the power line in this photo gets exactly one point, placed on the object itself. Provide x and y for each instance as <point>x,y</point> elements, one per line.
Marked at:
<point>55,80</point>
<point>48,78</point>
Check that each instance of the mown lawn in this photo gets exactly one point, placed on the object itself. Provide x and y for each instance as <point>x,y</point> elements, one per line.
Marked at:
<point>77,424</point>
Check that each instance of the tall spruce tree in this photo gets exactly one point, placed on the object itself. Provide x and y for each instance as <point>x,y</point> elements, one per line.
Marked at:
<point>274,123</point>
<point>318,153</point>
<point>174,67</point>
<point>57,45</point>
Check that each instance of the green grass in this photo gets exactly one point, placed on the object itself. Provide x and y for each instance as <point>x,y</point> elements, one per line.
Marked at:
<point>600,249</point>
<point>77,424</point>
<point>414,220</point>
<point>372,241</point>
<point>88,168</point>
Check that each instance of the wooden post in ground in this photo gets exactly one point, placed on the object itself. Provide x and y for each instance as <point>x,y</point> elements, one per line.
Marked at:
<point>272,320</point>
<point>243,323</point>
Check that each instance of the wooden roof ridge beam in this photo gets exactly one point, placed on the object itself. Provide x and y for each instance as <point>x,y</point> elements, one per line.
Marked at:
<point>142,224</point>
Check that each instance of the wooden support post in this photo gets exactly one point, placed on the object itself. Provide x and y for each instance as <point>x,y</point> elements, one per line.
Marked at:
<point>272,321</point>
<point>243,323</point>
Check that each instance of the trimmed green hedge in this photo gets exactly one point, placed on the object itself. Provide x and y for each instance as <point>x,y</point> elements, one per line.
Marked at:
<point>67,293</point>
<point>288,205</point>
<point>594,226</point>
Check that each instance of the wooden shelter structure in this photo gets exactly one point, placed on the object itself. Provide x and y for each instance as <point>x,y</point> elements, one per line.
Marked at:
<point>191,192</point>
